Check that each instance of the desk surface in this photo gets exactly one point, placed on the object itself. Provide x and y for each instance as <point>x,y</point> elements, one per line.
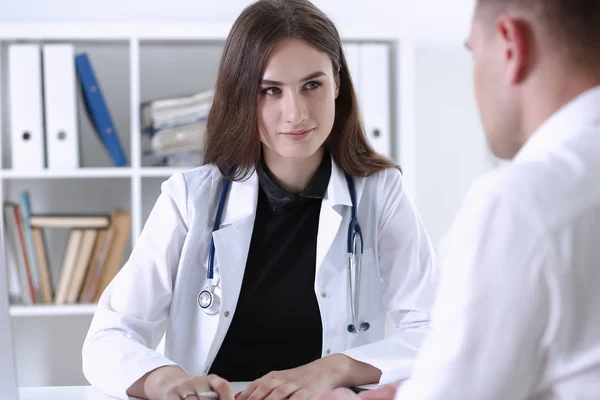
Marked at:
<point>79,392</point>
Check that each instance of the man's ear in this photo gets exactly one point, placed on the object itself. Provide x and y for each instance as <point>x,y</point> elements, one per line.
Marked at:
<point>515,43</point>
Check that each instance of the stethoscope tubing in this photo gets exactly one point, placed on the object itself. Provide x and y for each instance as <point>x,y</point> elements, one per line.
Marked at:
<point>354,262</point>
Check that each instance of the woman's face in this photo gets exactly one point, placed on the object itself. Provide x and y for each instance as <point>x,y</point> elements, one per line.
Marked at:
<point>296,99</point>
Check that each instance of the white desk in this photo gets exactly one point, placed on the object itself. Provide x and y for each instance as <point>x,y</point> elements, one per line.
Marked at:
<point>80,393</point>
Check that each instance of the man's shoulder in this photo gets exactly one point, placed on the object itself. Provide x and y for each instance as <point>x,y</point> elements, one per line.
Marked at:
<point>549,190</point>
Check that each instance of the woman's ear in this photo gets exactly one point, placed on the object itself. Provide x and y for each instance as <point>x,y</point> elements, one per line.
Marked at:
<point>337,85</point>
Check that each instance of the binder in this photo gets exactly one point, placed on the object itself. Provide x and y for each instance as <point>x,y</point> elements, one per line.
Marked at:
<point>60,106</point>
<point>351,53</point>
<point>25,105</point>
<point>375,95</point>
<point>98,111</point>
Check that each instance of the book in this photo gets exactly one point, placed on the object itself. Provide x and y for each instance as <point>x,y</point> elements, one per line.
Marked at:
<point>33,290</point>
<point>70,221</point>
<point>42,262</point>
<point>121,227</point>
<point>94,269</point>
<point>25,213</point>
<point>68,266</point>
<point>81,264</point>
<point>15,260</point>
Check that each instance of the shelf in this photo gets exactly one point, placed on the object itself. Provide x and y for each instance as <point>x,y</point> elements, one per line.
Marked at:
<point>163,32</point>
<point>116,172</point>
<point>158,172</point>
<point>51,310</point>
<point>113,31</point>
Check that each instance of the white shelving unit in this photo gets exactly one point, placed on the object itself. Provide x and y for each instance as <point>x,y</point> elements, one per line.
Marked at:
<point>50,310</point>
<point>133,62</point>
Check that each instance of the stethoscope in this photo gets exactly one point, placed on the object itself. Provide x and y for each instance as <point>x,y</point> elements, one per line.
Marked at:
<point>209,299</point>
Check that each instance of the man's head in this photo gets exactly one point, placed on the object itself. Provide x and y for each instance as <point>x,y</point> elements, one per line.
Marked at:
<point>530,58</point>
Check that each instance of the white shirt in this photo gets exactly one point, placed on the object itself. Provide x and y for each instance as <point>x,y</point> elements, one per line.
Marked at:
<point>517,314</point>
<point>159,284</point>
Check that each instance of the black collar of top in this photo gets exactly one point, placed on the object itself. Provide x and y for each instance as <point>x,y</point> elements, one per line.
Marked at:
<point>279,197</point>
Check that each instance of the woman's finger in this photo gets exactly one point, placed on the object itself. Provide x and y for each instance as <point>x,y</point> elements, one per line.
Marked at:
<point>303,394</point>
<point>219,385</point>
<point>284,391</point>
<point>338,394</point>
<point>387,392</point>
<point>249,389</point>
<point>182,391</point>
<point>265,388</point>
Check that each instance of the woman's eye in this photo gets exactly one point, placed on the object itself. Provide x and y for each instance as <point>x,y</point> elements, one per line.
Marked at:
<point>312,85</point>
<point>272,91</point>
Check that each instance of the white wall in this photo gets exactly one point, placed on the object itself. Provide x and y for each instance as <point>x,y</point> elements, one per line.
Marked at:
<point>451,150</point>
<point>438,20</point>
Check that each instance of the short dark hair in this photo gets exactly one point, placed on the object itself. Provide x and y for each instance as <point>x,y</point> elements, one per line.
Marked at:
<point>232,139</point>
<point>574,25</point>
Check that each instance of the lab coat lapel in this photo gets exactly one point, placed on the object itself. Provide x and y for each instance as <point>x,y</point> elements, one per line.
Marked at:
<point>334,202</point>
<point>232,241</point>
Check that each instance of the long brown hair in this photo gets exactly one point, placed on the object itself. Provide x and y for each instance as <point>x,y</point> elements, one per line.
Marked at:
<point>232,140</point>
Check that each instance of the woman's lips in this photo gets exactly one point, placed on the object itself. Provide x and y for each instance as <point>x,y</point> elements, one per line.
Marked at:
<point>297,135</point>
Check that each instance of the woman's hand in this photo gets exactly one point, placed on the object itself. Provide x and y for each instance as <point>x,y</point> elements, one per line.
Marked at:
<point>173,383</point>
<point>307,381</point>
<point>387,392</point>
<point>191,387</point>
<point>300,383</point>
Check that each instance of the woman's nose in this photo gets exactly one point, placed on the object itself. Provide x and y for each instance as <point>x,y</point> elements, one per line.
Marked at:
<point>295,110</point>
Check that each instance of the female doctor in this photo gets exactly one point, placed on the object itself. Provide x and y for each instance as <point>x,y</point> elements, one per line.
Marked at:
<point>277,261</point>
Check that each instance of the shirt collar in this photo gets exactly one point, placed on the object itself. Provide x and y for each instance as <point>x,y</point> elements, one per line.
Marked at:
<point>279,197</point>
<point>567,122</point>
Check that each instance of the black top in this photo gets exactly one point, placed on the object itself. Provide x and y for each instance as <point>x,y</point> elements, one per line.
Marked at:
<point>277,322</point>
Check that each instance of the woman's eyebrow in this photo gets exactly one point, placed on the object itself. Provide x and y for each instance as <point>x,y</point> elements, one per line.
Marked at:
<point>306,78</point>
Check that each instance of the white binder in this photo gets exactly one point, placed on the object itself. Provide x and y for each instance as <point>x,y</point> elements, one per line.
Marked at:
<point>62,136</point>
<point>351,53</point>
<point>375,94</point>
<point>25,105</point>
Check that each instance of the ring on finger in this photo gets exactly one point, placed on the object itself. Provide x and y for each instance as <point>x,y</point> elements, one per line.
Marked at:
<point>188,394</point>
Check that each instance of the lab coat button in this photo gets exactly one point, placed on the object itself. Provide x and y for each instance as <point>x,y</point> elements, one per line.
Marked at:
<point>328,351</point>
<point>227,313</point>
<point>323,294</point>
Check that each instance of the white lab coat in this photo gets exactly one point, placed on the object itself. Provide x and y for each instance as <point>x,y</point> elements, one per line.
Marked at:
<point>517,315</point>
<point>167,269</point>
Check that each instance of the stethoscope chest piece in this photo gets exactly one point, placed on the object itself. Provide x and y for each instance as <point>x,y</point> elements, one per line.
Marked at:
<point>209,301</point>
